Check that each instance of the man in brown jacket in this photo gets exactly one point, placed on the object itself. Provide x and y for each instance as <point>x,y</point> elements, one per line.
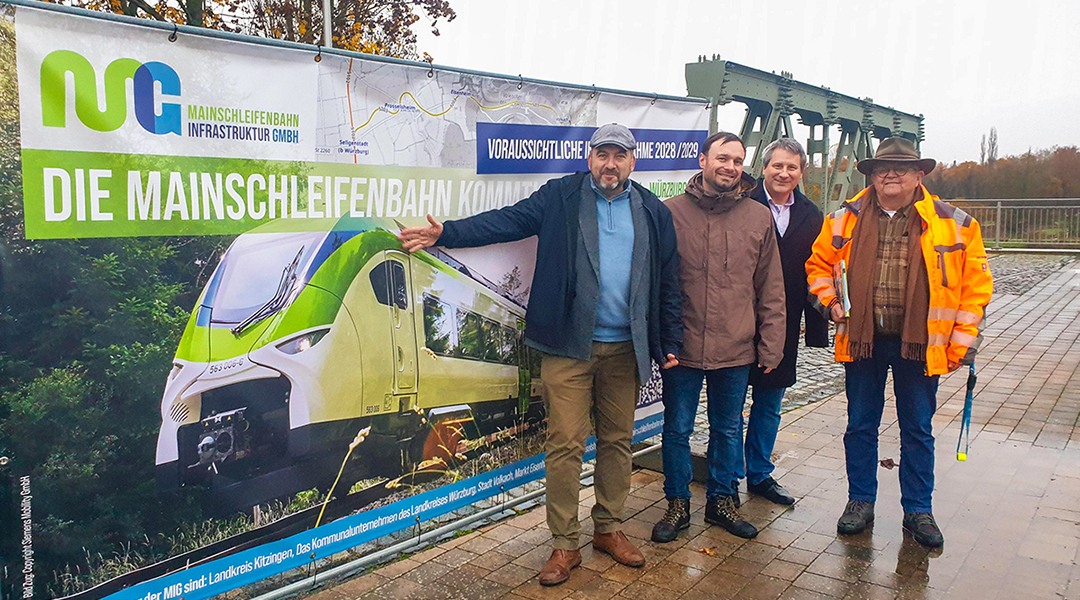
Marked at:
<point>733,317</point>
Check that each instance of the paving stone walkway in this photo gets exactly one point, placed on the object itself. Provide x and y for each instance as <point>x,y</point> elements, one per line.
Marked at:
<point>1010,513</point>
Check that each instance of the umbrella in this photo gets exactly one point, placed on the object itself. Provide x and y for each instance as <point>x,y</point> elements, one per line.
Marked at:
<point>965,423</point>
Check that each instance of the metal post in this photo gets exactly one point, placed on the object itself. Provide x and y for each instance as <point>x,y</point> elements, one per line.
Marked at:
<point>328,27</point>
<point>997,228</point>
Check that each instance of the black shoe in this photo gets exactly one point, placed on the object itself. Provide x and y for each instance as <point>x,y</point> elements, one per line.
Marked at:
<point>858,515</point>
<point>676,519</point>
<point>723,512</point>
<point>924,529</point>
<point>771,491</point>
<point>735,497</point>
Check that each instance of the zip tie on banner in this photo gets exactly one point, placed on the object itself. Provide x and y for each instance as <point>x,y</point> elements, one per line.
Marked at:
<point>965,421</point>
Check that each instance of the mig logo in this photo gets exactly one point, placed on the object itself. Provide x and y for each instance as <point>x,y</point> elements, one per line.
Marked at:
<point>57,65</point>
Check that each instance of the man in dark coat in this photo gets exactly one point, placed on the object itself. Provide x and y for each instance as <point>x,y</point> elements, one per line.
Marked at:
<point>798,223</point>
<point>605,299</point>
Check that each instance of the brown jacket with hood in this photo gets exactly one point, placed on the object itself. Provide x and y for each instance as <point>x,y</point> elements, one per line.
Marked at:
<point>732,280</point>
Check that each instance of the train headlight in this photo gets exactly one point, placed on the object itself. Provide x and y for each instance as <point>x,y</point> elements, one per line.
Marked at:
<point>301,343</point>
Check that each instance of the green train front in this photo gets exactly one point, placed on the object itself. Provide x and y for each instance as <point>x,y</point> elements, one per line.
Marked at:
<point>301,340</point>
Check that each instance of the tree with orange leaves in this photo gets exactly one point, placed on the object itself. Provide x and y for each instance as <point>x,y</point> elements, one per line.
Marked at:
<point>382,27</point>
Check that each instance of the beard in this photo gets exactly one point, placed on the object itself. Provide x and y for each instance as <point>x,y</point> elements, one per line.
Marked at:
<point>723,187</point>
<point>609,186</point>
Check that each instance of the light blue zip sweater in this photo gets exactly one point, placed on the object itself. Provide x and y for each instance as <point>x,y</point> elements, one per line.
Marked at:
<point>616,228</point>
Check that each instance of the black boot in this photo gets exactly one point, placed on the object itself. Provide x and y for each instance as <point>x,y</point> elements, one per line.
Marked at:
<point>925,530</point>
<point>676,519</point>
<point>723,512</point>
<point>858,515</point>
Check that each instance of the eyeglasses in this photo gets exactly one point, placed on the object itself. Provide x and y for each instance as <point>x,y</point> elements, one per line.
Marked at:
<point>900,170</point>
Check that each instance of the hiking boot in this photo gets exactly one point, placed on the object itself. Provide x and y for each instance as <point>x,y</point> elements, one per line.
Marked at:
<point>858,515</point>
<point>723,512</point>
<point>924,529</point>
<point>674,520</point>
<point>771,491</point>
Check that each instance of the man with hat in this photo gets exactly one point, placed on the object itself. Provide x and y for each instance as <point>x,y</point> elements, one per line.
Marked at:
<point>917,283</point>
<point>605,299</point>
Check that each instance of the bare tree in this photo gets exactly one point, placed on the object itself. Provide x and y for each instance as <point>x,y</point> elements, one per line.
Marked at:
<point>992,146</point>
<point>982,150</point>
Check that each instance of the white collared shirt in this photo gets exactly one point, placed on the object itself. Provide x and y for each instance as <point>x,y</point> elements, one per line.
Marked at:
<point>781,212</point>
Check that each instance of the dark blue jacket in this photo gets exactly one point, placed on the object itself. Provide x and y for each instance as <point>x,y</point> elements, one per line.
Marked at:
<point>551,214</point>
<point>803,228</point>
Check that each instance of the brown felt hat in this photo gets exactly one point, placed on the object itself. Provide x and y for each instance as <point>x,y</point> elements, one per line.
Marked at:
<point>896,150</point>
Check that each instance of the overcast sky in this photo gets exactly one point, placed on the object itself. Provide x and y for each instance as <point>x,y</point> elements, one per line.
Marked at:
<point>966,65</point>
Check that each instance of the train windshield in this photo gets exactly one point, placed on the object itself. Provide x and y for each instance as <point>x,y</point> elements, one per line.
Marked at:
<point>255,269</point>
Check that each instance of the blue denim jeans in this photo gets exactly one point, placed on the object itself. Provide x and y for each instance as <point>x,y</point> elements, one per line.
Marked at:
<point>761,434</point>
<point>726,393</point>
<point>916,401</point>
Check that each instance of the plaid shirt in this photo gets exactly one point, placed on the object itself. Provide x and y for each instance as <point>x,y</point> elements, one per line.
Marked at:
<point>891,268</point>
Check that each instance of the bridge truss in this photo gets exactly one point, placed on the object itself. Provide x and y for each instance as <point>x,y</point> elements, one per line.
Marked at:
<point>772,99</point>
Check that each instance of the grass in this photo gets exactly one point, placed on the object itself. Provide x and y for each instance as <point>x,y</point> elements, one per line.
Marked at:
<point>131,556</point>
<point>134,555</point>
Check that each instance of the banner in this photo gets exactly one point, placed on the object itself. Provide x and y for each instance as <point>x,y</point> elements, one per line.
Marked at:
<point>214,320</point>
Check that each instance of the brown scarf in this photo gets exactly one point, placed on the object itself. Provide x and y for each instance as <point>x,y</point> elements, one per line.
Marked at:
<point>862,275</point>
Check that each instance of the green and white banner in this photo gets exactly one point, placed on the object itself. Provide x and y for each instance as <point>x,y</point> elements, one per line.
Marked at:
<point>210,324</point>
<point>126,133</point>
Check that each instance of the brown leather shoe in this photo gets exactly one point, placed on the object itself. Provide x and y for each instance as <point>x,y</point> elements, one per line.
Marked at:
<point>619,548</point>
<point>557,568</point>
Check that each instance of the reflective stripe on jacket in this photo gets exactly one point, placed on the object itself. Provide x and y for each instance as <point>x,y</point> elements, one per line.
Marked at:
<point>960,281</point>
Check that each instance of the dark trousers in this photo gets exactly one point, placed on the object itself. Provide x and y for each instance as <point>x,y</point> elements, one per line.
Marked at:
<point>916,401</point>
<point>726,394</point>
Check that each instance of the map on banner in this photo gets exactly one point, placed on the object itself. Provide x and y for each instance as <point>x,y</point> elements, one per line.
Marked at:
<point>381,114</point>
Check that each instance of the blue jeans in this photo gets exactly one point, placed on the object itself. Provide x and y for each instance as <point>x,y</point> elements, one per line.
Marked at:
<point>761,434</point>
<point>726,393</point>
<point>916,401</point>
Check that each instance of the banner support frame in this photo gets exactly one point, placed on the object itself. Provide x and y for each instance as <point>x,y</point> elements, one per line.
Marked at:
<point>328,27</point>
<point>308,48</point>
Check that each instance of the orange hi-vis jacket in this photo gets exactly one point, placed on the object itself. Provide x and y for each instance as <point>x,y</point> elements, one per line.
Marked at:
<point>960,281</point>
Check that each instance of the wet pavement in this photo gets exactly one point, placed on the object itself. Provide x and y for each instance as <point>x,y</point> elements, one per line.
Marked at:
<point>1010,513</point>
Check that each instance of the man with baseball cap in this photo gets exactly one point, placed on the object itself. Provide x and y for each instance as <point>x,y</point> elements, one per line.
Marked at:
<point>605,299</point>
<point>917,284</point>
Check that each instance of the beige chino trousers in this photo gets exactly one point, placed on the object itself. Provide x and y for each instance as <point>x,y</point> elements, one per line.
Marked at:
<point>605,388</point>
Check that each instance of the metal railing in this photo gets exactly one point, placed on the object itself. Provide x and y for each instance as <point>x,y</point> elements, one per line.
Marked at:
<point>1026,222</point>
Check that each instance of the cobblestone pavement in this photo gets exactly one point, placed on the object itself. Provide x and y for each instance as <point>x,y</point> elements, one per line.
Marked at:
<point>818,376</point>
<point>1018,273</point>
<point>1010,513</point>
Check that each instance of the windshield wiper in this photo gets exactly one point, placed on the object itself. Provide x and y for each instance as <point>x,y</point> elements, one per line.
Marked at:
<point>281,296</point>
